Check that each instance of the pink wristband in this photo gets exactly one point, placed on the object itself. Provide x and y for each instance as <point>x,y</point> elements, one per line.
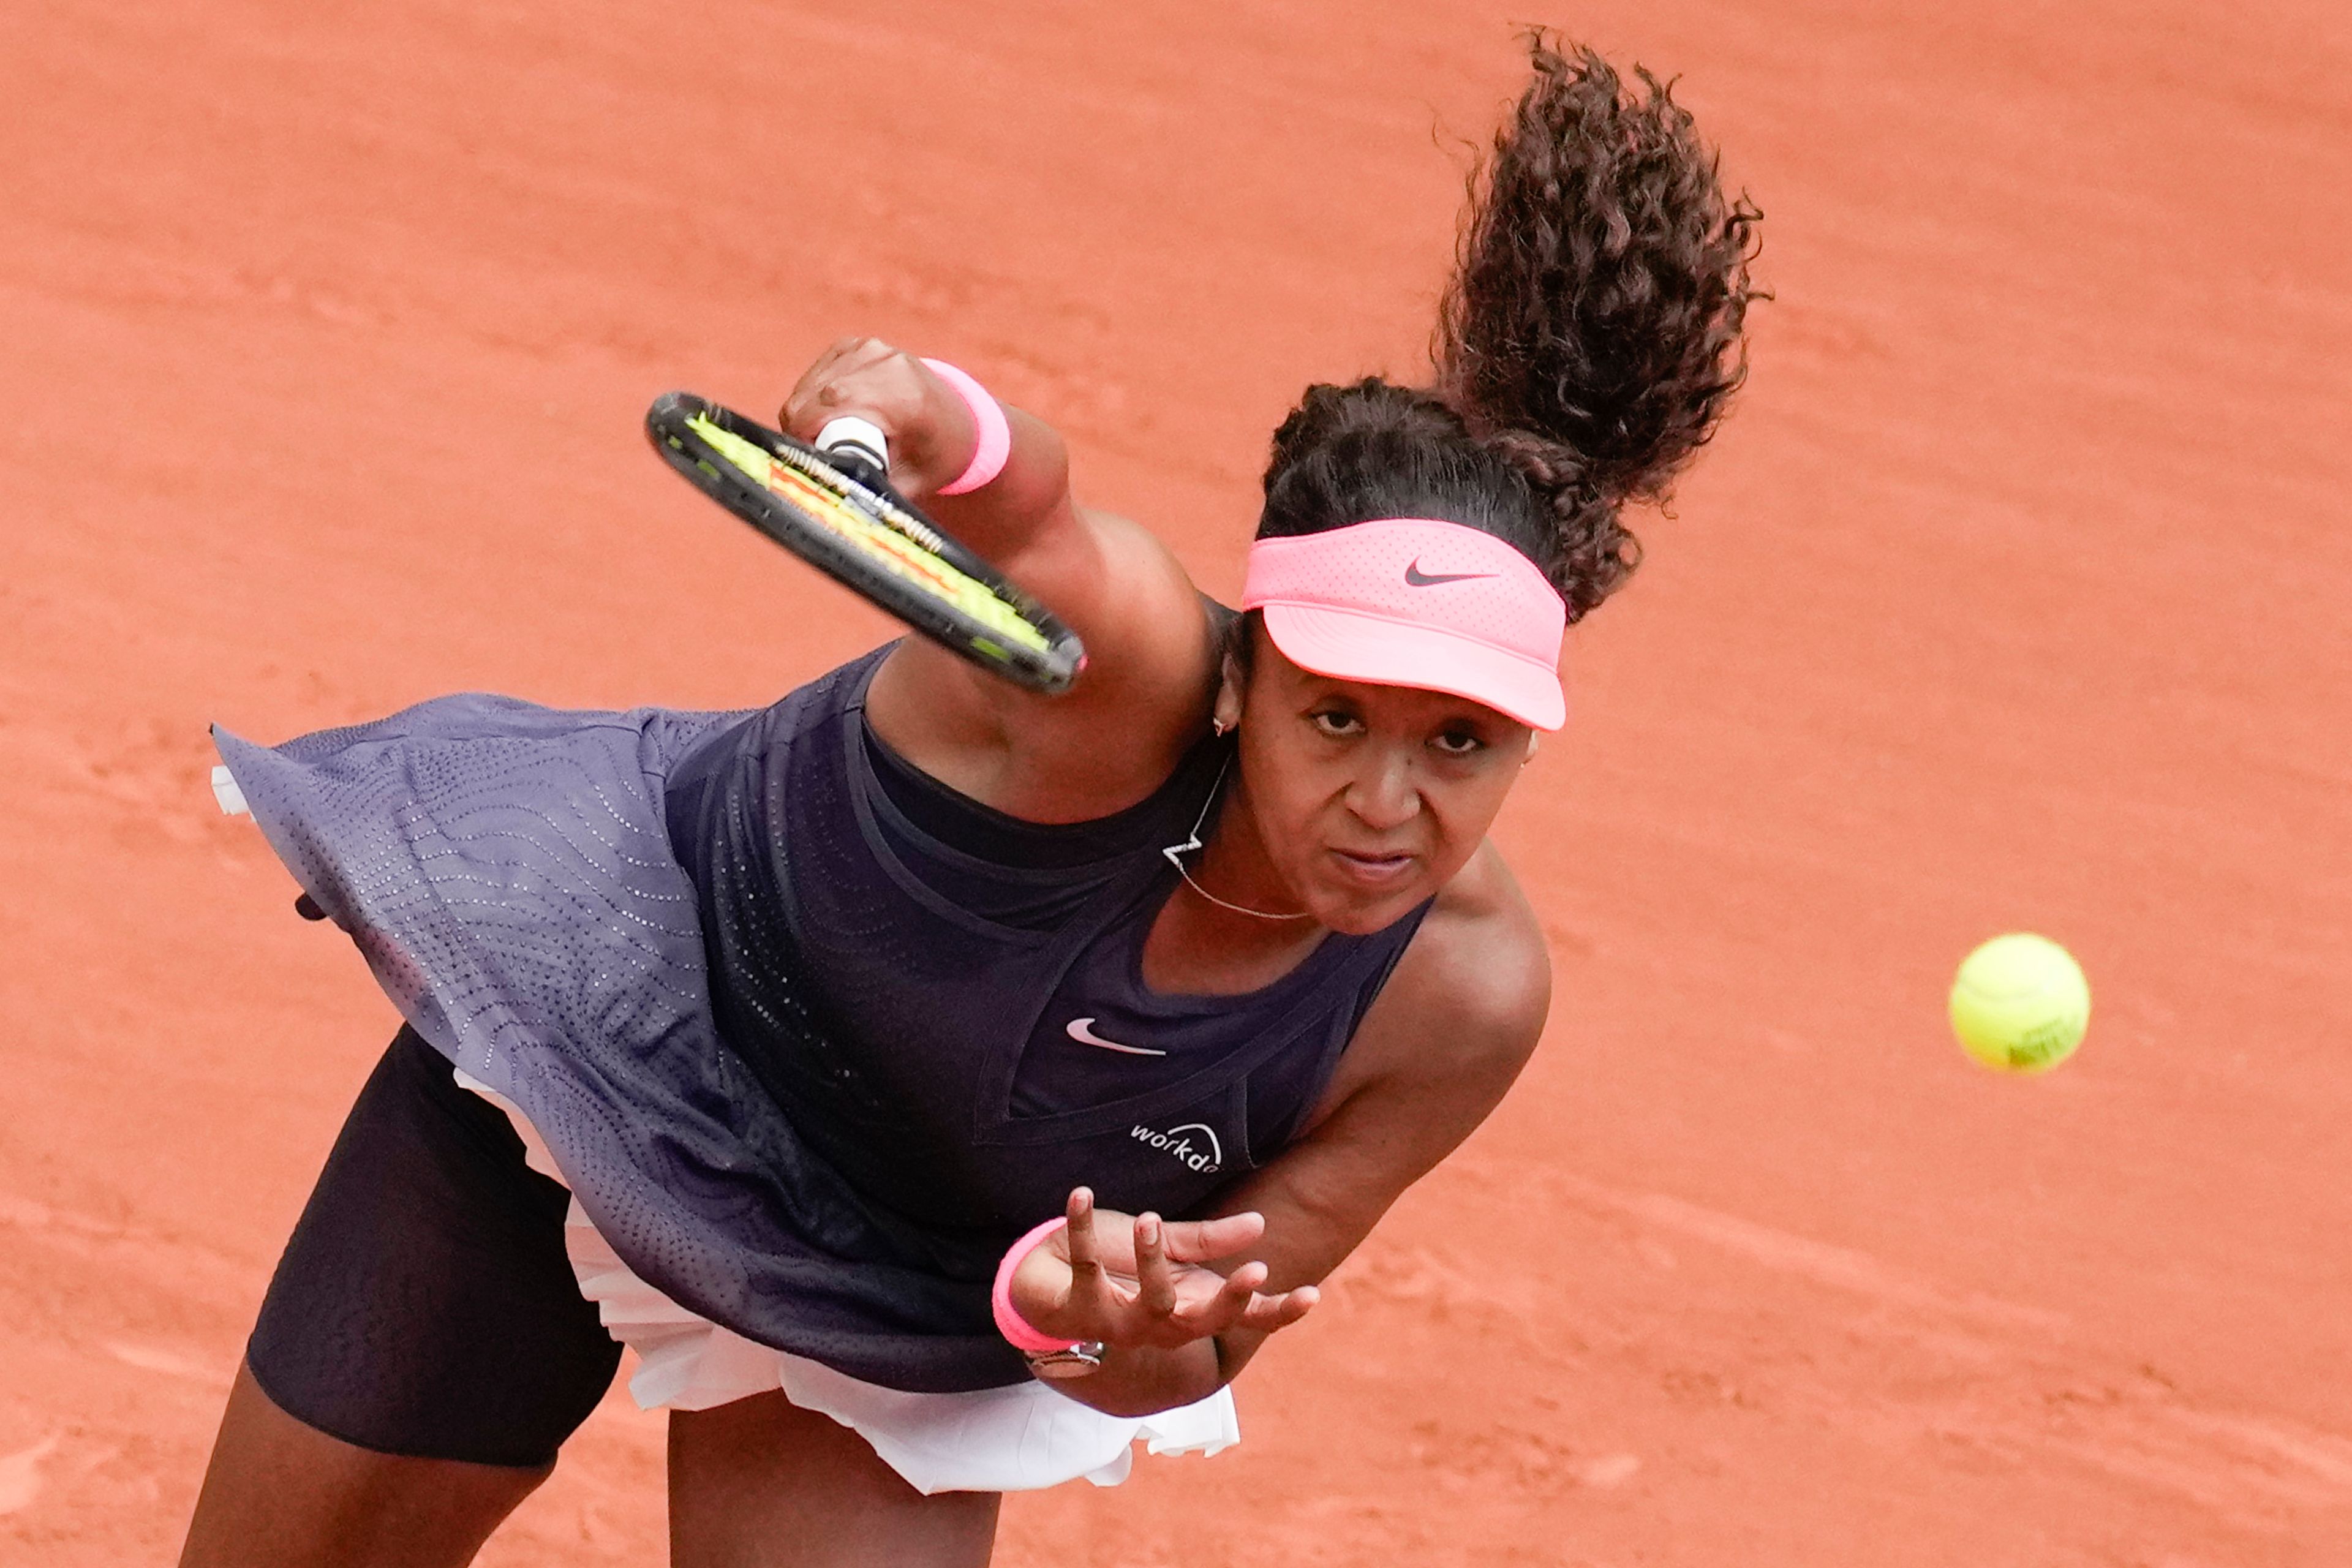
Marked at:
<point>1009,1323</point>
<point>995,430</point>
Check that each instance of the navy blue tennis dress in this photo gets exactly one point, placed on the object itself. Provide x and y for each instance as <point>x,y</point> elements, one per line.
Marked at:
<point>811,1038</point>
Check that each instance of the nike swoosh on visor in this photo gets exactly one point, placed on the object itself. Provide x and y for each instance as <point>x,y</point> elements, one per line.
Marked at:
<point>1415,577</point>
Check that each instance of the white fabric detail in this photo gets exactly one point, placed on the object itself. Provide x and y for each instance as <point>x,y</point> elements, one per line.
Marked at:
<point>990,1440</point>
<point>231,798</point>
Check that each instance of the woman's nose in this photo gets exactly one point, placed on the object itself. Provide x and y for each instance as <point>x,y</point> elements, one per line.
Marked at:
<point>1383,796</point>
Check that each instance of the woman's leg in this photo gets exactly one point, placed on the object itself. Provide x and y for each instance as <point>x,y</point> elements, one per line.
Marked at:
<point>423,1350</point>
<point>761,1483</point>
<point>280,1494</point>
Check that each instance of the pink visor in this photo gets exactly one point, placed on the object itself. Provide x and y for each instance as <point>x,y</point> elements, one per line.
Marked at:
<point>1416,602</point>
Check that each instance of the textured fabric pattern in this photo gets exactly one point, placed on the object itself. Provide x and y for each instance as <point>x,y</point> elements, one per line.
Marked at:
<point>506,871</point>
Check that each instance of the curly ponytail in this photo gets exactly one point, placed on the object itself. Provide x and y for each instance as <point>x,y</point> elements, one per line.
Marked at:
<point>1586,346</point>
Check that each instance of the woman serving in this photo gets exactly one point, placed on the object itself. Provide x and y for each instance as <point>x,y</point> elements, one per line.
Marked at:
<point>944,1087</point>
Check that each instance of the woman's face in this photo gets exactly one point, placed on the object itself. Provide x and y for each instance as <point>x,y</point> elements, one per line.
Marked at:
<point>1366,799</point>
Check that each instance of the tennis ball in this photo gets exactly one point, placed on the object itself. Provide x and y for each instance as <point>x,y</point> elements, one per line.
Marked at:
<point>2019,1004</point>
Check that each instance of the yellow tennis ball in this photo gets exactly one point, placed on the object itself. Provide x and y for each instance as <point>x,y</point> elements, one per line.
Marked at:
<point>2019,1004</point>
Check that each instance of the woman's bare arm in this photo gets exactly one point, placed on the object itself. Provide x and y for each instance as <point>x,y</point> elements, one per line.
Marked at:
<point>1144,694</point>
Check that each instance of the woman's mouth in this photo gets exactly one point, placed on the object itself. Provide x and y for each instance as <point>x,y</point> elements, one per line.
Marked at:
<point>1373,868</point>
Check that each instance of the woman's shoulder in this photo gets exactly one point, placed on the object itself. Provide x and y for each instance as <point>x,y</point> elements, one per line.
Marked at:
<point>1459,1017</point>
<point>1467,1001</point>
<point>1479,961</point>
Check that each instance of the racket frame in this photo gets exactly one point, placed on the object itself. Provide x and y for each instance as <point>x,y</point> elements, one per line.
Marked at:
<point>670,426</point>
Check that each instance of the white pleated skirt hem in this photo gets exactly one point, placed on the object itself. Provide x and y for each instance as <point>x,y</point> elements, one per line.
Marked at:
<point>988,1440</point>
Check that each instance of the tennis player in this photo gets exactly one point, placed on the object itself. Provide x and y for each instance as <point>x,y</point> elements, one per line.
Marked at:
<point>944,1087</point>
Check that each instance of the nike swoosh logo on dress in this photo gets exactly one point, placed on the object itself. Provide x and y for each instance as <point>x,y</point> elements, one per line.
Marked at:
<point>1415,577</point>
<point>1082,1030</point>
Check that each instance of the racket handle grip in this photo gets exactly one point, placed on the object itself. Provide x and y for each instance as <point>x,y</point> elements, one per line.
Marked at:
<point>857,442</point>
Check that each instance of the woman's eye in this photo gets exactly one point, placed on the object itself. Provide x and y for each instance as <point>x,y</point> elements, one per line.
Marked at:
<point>1459,743</point>
<point>1336,724</point>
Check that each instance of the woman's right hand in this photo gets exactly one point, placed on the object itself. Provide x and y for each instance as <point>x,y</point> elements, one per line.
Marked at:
<point>931,433</point>
<point>1139,1280</point>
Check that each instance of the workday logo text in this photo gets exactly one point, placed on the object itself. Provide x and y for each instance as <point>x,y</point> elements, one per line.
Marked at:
<point>1203,1154</point>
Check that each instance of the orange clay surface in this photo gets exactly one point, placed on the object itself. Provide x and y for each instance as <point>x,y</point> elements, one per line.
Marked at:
<point>2018,594</point>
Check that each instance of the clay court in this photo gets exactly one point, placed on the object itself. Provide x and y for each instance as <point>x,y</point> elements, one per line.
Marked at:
<point>2014,595</point>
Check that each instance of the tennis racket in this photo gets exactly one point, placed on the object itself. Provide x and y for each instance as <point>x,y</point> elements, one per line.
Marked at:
<point>831,505</point>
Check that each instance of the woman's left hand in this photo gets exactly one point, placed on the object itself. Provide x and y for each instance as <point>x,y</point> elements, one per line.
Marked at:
<point>1138,1281</point>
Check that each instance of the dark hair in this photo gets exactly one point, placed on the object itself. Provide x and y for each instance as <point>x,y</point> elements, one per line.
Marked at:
<point>1585,348</point>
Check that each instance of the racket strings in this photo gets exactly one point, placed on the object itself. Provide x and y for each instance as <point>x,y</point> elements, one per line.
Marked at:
<point>890,539</point>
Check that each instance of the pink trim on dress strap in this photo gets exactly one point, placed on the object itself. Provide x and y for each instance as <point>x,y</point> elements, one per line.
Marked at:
<point>1009,1321</point>
<point>996,431</point>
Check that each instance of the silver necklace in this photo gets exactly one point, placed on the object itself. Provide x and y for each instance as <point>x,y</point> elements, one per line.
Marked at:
<point>1176,852</point>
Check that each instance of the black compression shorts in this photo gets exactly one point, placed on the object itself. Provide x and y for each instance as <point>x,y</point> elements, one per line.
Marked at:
<point>425,1305</point>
